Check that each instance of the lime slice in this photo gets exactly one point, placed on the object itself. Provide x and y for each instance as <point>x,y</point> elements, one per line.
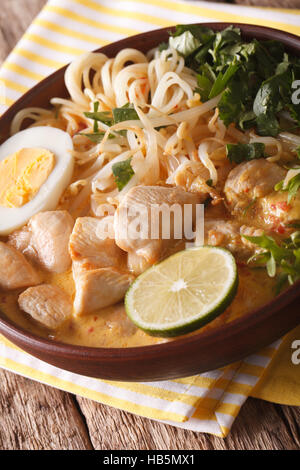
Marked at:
<point>183,292</point>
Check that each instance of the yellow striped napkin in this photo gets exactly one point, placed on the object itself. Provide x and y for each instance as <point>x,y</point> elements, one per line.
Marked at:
<point>64,29</point>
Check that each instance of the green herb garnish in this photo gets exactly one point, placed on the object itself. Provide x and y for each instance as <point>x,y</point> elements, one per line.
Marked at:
<point>102,116</point>
<point>123,172</point>
<point>255,78</point>
<point>292,187</point>
<point>249,205</point>
<point>222,80</point>
<point>281,260</point>
<point>238,153</point>
<point>163,46</point>
<point>185,44</point>
<point>96,137</point>
<point>125,113</point>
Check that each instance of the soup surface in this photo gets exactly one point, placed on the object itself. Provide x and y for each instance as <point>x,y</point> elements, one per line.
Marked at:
<point>110,327</point>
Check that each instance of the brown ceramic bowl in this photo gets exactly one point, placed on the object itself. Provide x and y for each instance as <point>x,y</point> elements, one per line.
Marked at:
<point>186,356</point>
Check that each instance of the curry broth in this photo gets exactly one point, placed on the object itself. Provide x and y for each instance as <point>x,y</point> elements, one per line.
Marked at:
<point>110,327</point>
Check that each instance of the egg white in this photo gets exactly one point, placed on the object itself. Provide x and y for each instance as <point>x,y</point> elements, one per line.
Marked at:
<point>60,144</point>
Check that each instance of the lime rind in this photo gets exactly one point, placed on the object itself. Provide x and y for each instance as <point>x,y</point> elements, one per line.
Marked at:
<point>196,321</point>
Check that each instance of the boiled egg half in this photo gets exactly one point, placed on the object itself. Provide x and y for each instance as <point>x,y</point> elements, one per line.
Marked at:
<point>36,166</point>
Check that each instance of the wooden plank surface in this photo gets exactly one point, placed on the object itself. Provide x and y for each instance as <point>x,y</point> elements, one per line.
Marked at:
<point>35,416</point>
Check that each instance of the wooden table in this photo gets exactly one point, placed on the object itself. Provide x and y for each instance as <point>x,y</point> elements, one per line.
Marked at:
<point>35,416</point>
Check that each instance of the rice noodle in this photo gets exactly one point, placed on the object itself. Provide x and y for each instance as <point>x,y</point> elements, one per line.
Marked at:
<point>204,157</point>
<point>174,132</point>
<point>290,138</point>
<point>290,174</point>
<point>271,142</point>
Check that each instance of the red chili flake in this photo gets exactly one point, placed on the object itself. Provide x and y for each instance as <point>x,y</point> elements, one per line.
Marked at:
<point>273,207</point>
<point>246,190</point>
<point>95,318</point>
<point>284,206</point>
<point>281,229</point>
<point>90,330</point>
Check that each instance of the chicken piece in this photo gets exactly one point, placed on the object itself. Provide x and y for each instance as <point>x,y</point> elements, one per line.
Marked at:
<point>50,233</point>
<point>278,213</point>
<point>250,195</point>
<point>97,267</point>
<point>21,240</point>
<point>98,288</point>
<point>47,304</point>
<point>87,246</point>
<point>137,264</point>
<point>15,271</point>
<point>45,240</point>
<point>249,181</point>
<point>144,223</point>
<point>228,234</point>
<point>193,177</point>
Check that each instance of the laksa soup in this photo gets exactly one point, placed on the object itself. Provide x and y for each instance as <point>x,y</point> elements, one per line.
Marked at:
<point>205,124</point>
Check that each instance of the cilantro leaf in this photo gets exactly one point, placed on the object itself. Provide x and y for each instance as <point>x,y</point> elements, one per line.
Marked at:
<point>222,80</point>
<point>255,78</point>
<point>269,244</point>
<point>202,33</point>
<point>267,124</point>
<point>96,137</point>
<point>163,46</point>
<point>292,187</point>
<point>223,38</point>
<point>204,86</point>
<point>247,120</point>
<point>201,54</point>
<point>231,103</point>
<point>123,172</point>
<point>266,104</point>
<point>98,116</point>
<point>125,113</point>
<point>243,152</point>
<point>102,116</point>
<point>281,260</point>
<point>185,44</point>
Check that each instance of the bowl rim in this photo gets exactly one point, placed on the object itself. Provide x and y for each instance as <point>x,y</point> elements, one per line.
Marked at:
<point>223,332</point>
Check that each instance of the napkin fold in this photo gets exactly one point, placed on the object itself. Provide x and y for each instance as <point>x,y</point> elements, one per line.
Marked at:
<point>206,402</point>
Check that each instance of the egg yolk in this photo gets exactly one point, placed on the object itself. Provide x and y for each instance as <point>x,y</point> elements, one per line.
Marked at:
<point>22,174</point>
